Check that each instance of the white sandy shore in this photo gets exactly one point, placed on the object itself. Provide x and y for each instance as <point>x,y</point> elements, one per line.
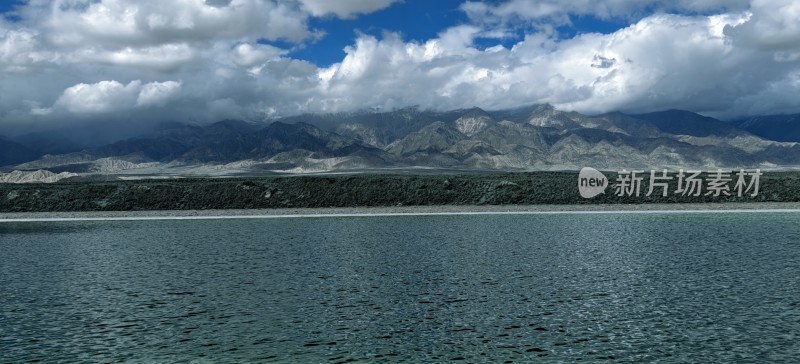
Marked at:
<point>399,210</point>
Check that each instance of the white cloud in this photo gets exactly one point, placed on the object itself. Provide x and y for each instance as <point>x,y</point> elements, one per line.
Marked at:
<point>773,25</point>
<point>157,93</point>
<point>20,51</point>
<point>344,8</point>
<point>248,55</point>
<point>159,58</point>
<point>89,58</point>
<point>112,96</point>
<point>151,22</point>
<point>144,34</point>
<point>662,61</point>
<point>458,39</point>
<point>104,96</point>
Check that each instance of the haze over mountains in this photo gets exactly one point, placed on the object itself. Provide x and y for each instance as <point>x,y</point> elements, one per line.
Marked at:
<point>537,137</point>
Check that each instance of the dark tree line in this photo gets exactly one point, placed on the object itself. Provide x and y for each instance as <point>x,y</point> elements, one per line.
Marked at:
<point>347,191</point>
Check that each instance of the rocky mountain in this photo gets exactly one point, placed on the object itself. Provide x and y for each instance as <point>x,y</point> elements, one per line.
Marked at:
<point>50,143</point>
<point>276,140</point>
<point>12,152</point>
<point>681,122</point>
<point>537,137</point>
<point>39,176</point>
<point>163,145</point>
<point>782,128</point>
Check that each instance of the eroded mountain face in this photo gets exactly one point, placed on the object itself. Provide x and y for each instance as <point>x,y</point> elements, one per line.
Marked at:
<point>538,137</point>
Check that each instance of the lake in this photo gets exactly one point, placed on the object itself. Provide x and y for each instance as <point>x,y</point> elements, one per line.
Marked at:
<point>630,287</point>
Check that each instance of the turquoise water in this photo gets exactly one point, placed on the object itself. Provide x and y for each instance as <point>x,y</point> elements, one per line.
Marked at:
<point>690,287</point>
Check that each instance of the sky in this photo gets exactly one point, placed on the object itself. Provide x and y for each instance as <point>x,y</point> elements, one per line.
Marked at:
<point>127,62</point>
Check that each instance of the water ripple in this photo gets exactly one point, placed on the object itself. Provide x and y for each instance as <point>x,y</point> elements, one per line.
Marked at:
<point>519,288</point>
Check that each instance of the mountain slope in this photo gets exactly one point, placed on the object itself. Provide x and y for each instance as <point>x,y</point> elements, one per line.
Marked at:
<point>688,123</point>
<point>12,153</point>
<point>782,128</point>
<point>530,138</point>
<point>278,137</point>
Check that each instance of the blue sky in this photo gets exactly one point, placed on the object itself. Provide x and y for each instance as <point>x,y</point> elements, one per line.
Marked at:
<point>418,21</point>
<point>123,61</point>
<point>430,18</point>
<point>8,5</point>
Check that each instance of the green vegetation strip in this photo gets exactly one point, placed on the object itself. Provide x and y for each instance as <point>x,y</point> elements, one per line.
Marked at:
<point>370,190</point>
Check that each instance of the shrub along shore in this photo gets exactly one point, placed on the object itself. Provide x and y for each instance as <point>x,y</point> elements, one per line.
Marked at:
<point>361,190</point>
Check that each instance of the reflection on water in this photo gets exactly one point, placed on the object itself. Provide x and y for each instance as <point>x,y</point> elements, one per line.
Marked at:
<point>657,287</point>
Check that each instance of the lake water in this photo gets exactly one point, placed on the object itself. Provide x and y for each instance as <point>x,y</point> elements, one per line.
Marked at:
<point>687,287</point>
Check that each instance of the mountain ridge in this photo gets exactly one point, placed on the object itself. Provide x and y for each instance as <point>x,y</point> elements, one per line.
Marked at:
<point>536,137</point>
<point>783,128</point>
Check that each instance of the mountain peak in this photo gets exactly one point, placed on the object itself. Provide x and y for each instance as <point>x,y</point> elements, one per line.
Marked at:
<point>473,121</point>
<point>546,115</point>
<point>535,136</point>
<point>475,112</point>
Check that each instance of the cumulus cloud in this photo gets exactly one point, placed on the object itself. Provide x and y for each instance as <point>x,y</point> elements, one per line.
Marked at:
<point>659,62</point>
<point>159,58</point>
<point>207,60</point>
<point>248,55</point>
<point>104,96</point>
<point>20,51</point>
<point>112,96</point>
<point>772,25</point>
<point>149,22</point>
<point>344,8</point>
<point>145,34</point>
<point>157,93</point>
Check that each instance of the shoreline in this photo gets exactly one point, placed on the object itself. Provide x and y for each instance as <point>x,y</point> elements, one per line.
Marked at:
<point>730,207</point>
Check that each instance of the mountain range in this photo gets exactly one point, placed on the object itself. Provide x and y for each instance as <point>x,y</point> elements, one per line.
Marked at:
<point>537,137</point>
